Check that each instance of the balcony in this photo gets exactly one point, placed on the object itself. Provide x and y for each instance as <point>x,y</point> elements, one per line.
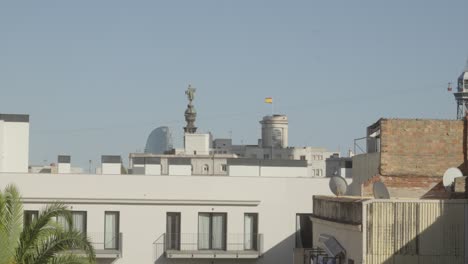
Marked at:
<point>107,246</point>
<point>202,246</point>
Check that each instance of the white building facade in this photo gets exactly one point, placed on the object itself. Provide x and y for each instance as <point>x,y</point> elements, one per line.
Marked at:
<point>14,143</point>
<point>179,219</point>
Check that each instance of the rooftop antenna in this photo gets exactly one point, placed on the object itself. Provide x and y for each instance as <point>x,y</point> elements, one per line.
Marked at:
<point>338,185</point>
<point>449,178</point>
<point>380,191</point>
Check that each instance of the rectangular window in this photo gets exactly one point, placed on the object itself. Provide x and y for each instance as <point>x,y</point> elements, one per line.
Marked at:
<point>30,216</point>
<point>303,231</point>
<point>79,221</point>
<point>212,231</point>
<point>223,167</point>
<point>111,230</point>
<point>266,156</point>
<point>303,157</point>
<point>251,231</point>
<point>173,231</point>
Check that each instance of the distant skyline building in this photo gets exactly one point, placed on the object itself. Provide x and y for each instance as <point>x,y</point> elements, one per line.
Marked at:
<point>461,95</point>
<point>159,141</point>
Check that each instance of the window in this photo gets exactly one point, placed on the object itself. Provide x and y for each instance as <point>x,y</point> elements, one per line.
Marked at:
<point>251,231</point>
<point>111,230</point>
<point>303,231</point>
<point>212,231</point>
<point>206,169</point>
<point>173,231</point>
<point>266,156</point>
<point>29,217</point>
<point>223,167</point>
<point>78,221</point>
<point>303,157</point>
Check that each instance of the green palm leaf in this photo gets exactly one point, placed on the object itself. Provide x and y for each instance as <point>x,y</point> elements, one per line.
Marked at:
<point>11,217</point>
<point>44,240</point>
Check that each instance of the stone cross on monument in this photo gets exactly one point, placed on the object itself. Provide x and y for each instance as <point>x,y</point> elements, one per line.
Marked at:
<point>190,112</point>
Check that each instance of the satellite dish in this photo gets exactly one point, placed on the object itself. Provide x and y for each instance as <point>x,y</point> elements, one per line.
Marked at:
<point>338,185</point>
<point>380,191</point>
<point>449,177</point>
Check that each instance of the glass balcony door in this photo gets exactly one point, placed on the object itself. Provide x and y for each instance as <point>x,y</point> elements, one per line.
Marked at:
<point>212,231</point>
<point>111,230</point>
<point>250,231</point>
<point>173,231</point>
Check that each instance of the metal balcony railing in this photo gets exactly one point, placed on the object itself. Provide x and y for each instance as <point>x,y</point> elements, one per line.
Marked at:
<point>204,241</point>
<point>235,245</point>
<point>105,241</point>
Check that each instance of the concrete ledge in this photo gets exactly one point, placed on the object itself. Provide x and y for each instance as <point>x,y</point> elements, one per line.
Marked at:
<point>211,254</point>
<point>140,201</point>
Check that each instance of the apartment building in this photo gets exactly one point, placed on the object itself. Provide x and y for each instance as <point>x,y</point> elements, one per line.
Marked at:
<point>179,219</point>
<point>419,220</point>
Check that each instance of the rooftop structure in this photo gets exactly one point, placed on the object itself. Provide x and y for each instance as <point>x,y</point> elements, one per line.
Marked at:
<point>410,156</point>
<point>368,230</point>
<point>398,209</point>
<point>14,143</point>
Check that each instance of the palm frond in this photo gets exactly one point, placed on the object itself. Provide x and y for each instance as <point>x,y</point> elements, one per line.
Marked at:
<point>41,229</point>
<point>69,259</point>
<point>11,217</point>
<point>60,242</point>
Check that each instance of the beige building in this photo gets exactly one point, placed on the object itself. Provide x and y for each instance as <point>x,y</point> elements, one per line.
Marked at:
<point>421,222</point>
<point>390,231</point>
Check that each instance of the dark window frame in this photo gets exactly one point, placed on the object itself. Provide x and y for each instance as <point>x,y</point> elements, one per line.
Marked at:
<point>169,238</point>
<point>210,247</point>
<point>298,233</point>
<point>28,220</point>
<point>117,213</point>
<point>85,217</point>
<point>255,238</point>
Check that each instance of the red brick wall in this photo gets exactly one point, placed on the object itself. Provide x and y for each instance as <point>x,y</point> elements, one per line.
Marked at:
<point>415,147</point>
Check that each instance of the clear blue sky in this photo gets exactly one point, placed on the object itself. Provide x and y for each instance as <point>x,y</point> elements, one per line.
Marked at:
<point>97,76</point>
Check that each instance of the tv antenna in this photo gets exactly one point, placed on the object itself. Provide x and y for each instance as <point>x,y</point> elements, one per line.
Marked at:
<point>380,191</point>
<point>449,178</point>
<point>338,185</point>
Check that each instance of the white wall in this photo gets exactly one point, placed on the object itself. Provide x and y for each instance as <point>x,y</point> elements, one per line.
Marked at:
<point>64,168</point>
<point>283,171</point>
<point>111,168</point>
<point>197,144</point>
<point>234,170</point>
<point>153,169</point>
<point>14,146</point>
<point>180,170</point>
<point>143,202</point>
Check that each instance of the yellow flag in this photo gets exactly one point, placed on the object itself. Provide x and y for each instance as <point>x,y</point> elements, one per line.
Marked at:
<point>268,100</point>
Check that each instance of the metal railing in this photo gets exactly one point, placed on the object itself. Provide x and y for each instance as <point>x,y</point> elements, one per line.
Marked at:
<point>102,241</point>
<point>238,242</point>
